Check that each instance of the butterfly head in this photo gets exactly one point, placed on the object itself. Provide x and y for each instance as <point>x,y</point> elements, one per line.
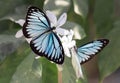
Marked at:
<point>54,27</point>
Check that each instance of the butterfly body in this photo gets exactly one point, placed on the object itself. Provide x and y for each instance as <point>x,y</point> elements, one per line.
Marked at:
<point>45,41</point>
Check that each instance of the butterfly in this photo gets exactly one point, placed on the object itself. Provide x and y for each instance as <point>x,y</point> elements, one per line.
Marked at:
<point>87,51</point>
<point>44,41</point>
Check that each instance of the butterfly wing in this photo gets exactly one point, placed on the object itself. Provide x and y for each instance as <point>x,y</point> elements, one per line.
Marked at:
<point>44,41</point>
<point>50,46</point>
<point>36,22</point>
<point>87,51</point>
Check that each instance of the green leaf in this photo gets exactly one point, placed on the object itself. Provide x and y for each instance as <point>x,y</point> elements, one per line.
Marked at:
<point>57,6</point>
<point>8,67</point>
<point>9,7</point>
<point>24,72</point>
<point>81,7</point>
<point>17,9</point>
<point>49,71</point>
<point>19,13</point>
<point>68,73</point>
<point>109,58</point>
<point>103,16</point>
<point>38,3</point>
<point>8,44</point>
<point>79,32</point>
<point>116,9</point>
<point>8,27</point>
<point>82,80</point>
<point>37,67</point>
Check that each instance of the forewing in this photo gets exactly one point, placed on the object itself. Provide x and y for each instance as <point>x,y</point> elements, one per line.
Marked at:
<point>36,22</point>
<point>87,51</point>
<point>48,45</point>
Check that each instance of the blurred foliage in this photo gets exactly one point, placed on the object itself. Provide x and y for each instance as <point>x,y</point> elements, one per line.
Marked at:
<point>103,16</point>
<point>91,18</point>
<point>10,64</point>
<point>109,63</point>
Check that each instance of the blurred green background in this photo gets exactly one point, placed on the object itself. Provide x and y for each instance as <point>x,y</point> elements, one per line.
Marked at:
<point>93,19</point>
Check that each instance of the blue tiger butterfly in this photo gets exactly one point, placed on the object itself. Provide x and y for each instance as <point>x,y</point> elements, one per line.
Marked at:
<point>44,41</point>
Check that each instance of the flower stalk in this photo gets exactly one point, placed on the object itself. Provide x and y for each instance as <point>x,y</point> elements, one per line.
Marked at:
<point>59,76</point>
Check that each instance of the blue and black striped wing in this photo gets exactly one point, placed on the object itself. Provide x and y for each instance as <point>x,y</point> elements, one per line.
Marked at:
<point>49,46</point>
<point>44,41</point>
<point>36,22</point>
<point>87,51</point>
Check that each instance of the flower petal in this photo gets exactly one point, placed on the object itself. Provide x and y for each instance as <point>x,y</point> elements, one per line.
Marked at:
<point>64,39</point>
<point>66,50</point>
<point>70,36</point>
<point>20,22</point>
<point>76,64</point>
<point>62,20</point>
<point>19,34</point>
<point>28,39</point>
<point>52,17</point>
<point>37,57</point>
<point>62,31</point>
<point>71,44</point>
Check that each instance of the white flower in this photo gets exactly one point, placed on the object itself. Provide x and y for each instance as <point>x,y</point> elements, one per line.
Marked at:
<point>61,21</point>
<point>76,64</point>
<point>70,50</point>
<point>68,43</point>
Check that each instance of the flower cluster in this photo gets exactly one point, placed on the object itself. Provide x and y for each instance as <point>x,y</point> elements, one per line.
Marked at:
<point>66,37</point>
